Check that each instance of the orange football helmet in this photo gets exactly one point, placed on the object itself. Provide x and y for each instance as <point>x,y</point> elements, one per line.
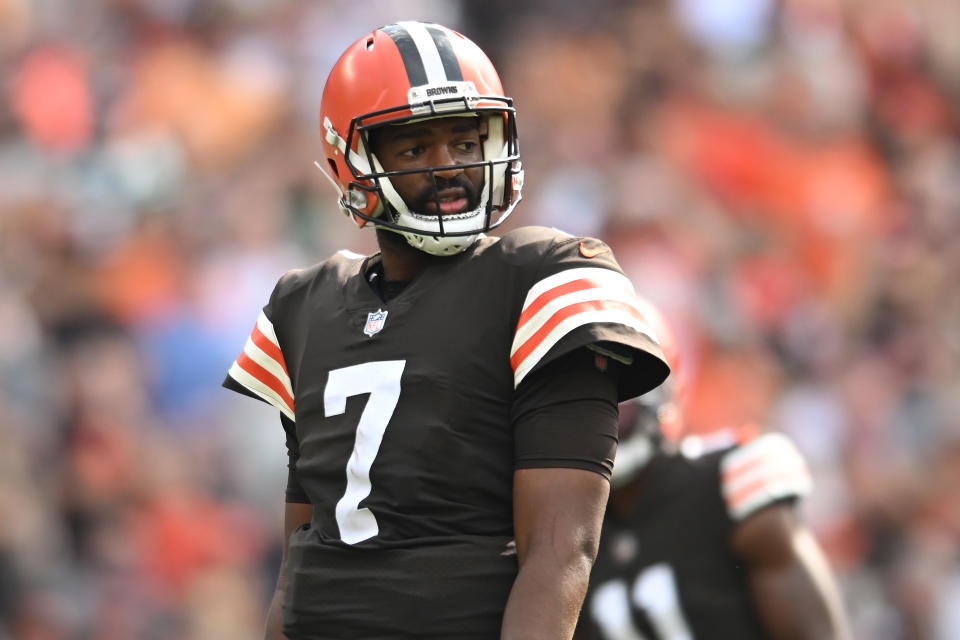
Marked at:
<point>401,73</point>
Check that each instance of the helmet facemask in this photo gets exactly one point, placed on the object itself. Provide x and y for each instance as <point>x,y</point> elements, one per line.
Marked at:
<point>436,233</point>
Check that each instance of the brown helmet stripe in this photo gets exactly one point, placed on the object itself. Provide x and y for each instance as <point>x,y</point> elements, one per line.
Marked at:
<point>416,72</point>
<point>451,66</point>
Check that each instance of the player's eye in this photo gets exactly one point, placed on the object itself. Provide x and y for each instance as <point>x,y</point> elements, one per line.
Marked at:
<point>413,152</point>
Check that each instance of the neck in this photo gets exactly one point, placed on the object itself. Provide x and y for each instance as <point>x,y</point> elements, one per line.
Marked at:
<point>401,262</point>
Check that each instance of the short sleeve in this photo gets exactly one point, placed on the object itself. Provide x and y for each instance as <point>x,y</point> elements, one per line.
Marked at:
<point>260,370</point>
<point>580,297</point>
<point>565,415</point>
<point>761,472</point>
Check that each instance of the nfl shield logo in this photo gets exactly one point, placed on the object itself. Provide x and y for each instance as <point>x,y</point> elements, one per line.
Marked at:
<point>375,320</point>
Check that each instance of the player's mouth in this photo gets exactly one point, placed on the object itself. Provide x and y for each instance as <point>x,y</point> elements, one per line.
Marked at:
<point>447,197</point>
<point>449,201</point>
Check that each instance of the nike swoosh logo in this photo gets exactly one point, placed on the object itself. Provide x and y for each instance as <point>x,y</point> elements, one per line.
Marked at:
<point>592,253</point>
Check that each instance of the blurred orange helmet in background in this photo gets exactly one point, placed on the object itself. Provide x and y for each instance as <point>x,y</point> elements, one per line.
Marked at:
<point>650,420</point>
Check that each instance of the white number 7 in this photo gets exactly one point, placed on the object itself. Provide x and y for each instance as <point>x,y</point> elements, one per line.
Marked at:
<point>382,381</point>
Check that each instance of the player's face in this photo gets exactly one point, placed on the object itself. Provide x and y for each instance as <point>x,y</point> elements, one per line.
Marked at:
<point>434,143</point>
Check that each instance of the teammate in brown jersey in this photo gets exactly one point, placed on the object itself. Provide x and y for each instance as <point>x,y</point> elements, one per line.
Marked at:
<point>449,403</point>
<point>702,537</point>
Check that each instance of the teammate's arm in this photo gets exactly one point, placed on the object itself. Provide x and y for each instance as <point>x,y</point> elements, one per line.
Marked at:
<point>557,519</point>
<point>791,583</point>
<point>295,514</point>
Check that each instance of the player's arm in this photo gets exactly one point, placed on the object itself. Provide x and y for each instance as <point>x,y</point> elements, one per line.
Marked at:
<point>581,344</point>
<point>558,514</point>
<point>565,428</point>
<point>295,515</point>
<point>791,582</point>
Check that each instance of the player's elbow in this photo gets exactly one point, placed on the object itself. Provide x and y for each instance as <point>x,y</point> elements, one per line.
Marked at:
<point>587,544</point>
<point>577,550</point>
<point>571,550</point>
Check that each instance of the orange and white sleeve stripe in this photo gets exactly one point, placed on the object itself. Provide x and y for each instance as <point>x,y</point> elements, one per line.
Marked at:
<point>761,472</point>
<point>261,368</point>
<point>564,301</point>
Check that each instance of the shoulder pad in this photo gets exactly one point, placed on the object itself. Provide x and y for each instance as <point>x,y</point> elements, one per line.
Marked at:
<point>295,279</point>
<point>530,244</point>
<point>695,446</point>
<point>527,245</point>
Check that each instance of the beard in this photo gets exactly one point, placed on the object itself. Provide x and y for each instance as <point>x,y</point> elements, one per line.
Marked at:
<point>420,204</point>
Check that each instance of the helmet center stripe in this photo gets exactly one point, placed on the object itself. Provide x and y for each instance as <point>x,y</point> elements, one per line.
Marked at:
<point>429,54</point>
<point>412,62</point>
<point>451,66</point>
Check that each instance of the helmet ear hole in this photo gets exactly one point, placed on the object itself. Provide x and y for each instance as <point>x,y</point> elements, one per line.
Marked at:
<point>369,43</point>
<point>333,167</point>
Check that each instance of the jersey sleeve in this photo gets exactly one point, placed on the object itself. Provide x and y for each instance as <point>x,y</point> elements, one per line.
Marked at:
<point>260,370</point>
<point>565,415</point>
<point>763,471</point>
<point>580,297</point>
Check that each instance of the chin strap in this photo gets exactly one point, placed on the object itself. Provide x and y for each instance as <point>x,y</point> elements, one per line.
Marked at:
<point>336,185</point>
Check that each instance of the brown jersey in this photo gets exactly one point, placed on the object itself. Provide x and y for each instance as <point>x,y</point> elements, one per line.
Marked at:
<point>665,569</point>
<point>402,410</point>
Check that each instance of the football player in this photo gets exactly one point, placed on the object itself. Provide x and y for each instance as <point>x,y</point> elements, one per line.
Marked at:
<point>704,539</point>
<point>450,402</point>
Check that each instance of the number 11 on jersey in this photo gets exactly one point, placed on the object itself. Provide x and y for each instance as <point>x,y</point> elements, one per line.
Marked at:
<point>382,381</point>
<point>654,592</point>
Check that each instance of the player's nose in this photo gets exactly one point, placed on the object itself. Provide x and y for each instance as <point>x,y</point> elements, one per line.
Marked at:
<point>442,156</point>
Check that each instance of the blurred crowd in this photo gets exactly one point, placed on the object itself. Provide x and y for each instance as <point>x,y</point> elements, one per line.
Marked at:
<point>781,177</point>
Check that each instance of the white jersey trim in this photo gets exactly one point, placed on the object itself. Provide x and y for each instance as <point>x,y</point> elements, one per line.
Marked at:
<point>599,295</point>
<point>762,472</point>
<point>263,373</point>
<point>261,390</point>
